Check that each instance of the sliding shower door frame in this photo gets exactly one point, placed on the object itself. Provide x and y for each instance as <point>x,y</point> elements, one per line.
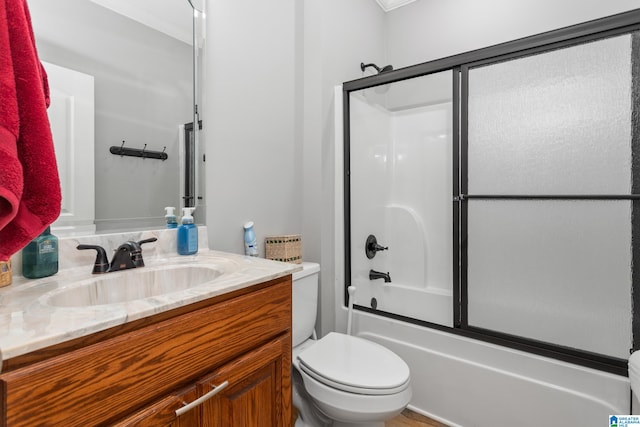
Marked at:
<point>572,355</point>
<point>460,65</point>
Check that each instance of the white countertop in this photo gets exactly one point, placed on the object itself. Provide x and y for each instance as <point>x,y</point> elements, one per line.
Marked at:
<point>28,322</point>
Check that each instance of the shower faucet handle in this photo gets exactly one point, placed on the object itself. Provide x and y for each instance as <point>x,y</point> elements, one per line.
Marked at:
<point>371,246</point>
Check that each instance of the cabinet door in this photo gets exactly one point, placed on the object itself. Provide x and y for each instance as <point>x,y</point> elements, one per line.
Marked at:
<point>259,390</point>
<point>163,412</point>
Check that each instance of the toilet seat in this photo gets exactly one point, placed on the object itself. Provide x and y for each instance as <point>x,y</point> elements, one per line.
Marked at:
<point>350,407</point>
<point>355,365</point>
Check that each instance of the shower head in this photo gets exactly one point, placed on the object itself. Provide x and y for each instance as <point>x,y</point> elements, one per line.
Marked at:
<point>384,69</point>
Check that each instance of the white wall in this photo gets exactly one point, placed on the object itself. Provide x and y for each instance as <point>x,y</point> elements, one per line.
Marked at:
<point>249,121</point>
<point>431,29</point>
<point>270,68</point>
<point>338,36</point>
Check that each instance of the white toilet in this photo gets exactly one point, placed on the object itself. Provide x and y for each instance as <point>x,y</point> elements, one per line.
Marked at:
<point>341,380</point>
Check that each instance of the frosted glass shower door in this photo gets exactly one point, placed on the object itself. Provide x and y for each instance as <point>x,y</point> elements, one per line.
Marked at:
<point>401,192</point>
<point>549,255</point>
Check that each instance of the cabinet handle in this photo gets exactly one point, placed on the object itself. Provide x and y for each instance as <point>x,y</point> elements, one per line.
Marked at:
<point>201,399</point>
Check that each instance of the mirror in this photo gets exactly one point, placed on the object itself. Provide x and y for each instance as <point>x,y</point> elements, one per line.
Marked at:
<point>140,56</point>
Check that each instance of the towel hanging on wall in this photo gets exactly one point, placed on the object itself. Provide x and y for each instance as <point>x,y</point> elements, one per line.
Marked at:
<point>30,195</point>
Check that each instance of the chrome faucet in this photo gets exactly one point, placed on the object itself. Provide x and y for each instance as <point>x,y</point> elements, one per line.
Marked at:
<point>373,275</point>
<point>128,255</point>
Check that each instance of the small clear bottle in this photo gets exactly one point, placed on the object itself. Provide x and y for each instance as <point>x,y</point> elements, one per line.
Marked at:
<point>40,256</point>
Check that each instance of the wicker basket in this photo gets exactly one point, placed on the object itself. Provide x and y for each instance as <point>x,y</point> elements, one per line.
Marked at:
<point>5,273</point>
<point>284,248</point>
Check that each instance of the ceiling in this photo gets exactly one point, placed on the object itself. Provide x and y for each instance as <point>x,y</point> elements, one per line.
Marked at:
<point>388,5</point>
<point>172,17</point>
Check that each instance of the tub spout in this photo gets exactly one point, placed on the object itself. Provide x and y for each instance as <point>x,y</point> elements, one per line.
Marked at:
<point>373,275</point>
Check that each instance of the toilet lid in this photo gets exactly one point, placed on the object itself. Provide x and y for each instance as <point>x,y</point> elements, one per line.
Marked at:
<point>355,365</point>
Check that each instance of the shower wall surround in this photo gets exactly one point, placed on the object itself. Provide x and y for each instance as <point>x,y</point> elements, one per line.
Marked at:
<point>399,139</point>
<point>504,191</point>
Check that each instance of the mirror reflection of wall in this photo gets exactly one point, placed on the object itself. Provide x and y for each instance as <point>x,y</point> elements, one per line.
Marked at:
<point>71,117</point>
<point>143,94</point>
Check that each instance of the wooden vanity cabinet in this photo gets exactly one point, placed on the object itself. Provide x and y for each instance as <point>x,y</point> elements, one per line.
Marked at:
<point>252,397</point>
<point>141,377</point>
<point>163,412</point>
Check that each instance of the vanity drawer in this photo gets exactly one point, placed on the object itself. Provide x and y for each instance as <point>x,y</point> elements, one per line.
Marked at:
<point>104,381</point>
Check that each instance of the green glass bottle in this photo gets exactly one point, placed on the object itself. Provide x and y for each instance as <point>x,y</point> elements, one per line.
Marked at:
<point>40,256</point>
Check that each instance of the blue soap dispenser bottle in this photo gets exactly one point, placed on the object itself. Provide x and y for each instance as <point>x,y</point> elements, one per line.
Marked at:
<point>187,234</point>
<point>170,217</point>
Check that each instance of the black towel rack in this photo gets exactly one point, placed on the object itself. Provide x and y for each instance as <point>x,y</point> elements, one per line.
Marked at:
<point>137,152</point>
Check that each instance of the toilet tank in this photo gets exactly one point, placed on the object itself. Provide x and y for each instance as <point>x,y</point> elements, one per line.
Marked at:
<point>305,301</point>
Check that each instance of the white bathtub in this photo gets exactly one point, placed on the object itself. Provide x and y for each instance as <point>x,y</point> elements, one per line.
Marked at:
<point>469,383</point>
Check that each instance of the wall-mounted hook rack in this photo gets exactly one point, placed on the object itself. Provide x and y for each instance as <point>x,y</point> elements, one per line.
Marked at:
<point>137,152</point>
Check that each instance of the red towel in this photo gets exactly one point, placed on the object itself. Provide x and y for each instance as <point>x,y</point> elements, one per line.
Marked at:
<point>30,195</point>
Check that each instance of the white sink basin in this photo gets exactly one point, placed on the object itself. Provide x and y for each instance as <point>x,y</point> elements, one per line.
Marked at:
<point>131,285</point>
